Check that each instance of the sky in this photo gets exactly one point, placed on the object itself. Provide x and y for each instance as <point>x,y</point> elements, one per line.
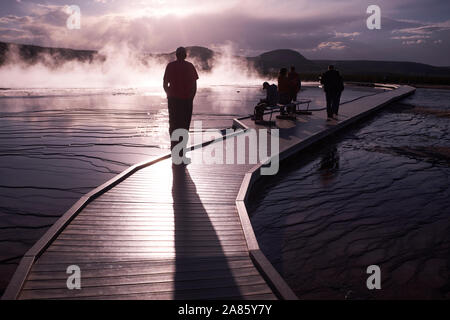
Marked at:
<point>411,30</point>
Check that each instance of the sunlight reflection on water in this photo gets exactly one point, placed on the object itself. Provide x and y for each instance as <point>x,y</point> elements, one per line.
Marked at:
<point>58,144</point>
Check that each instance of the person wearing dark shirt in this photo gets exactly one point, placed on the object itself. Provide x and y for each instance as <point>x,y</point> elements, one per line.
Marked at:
<point>295,84</point>
<point>271,93</point>
<point>270,100</point>
<point>333,86</point>
<point>180,84</point>
<point>284,87</point>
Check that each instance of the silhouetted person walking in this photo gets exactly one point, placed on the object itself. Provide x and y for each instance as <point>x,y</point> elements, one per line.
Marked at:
<point>333,85</point>
<point>180,84</point>
<point>295,84</point>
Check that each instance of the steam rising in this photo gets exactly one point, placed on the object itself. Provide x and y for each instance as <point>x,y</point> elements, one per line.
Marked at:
<point>117,67</point>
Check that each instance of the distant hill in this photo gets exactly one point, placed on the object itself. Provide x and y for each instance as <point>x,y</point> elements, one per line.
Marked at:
<point>277,59</point>
<point>32,54</point>
<point>203,57</point>
<point>384,67</point>
<point>266,63</point>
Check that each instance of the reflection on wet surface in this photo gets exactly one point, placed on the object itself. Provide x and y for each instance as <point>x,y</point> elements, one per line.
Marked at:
<point>58,144</point>
<point>377,194</point>
<point>329,166</point>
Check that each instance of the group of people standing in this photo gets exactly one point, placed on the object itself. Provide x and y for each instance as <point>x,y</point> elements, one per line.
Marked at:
<point>289,85</point>
<point>180,84</point>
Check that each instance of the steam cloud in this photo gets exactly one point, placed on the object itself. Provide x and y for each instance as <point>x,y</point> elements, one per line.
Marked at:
<point>117,67</point>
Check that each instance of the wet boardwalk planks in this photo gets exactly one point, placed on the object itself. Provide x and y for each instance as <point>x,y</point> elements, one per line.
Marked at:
<point>159,232</point>
<point>163,233</point>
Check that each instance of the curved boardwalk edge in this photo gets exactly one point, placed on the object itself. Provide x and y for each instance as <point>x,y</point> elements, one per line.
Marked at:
<point>16,283</point>
<point>269,273</point>
<point>275,280</point>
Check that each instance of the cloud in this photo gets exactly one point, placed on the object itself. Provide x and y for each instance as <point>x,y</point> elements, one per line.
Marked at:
<point>425,34</point>
<point>333,45</point>
<point>417,36</point>
<point>351,35</point>
<point>412,42</point>
<point>253,26</point>
<point>46,25</point>
<point>425,29</point>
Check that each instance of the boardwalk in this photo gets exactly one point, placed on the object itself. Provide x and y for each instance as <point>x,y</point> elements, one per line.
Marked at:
<point>163,233</point>
<point>159,232</point>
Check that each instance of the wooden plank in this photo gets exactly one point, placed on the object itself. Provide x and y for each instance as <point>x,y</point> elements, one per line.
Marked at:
<point>163,225</point>
<point>71,258</point>
<point>147,243</point>
<point>144,200</point>
<point>152,214</point>
<point>245,292</point>
<point>201,217</point>
<point>164,197</point>
<point>140,278</point>
<point>235,283</point>
<point>166,212</point>
<point>218,249</point>
<point>199,180</point>
<point>206,229</point>
<point>158,198</point>
<point>99,204</point>
<point>58,271</point>
<point>170,272</point>
<point>205,187</point>
<point>124,263</point>
<point>204,223</point>
<point>83,231</point>
<point>181,244</point>
<point>160,237</point>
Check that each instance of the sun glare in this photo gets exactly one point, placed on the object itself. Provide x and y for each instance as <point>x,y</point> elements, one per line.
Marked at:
<point>161,8</point>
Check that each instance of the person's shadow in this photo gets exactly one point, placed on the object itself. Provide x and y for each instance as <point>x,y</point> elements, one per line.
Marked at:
<point>201,267</point>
